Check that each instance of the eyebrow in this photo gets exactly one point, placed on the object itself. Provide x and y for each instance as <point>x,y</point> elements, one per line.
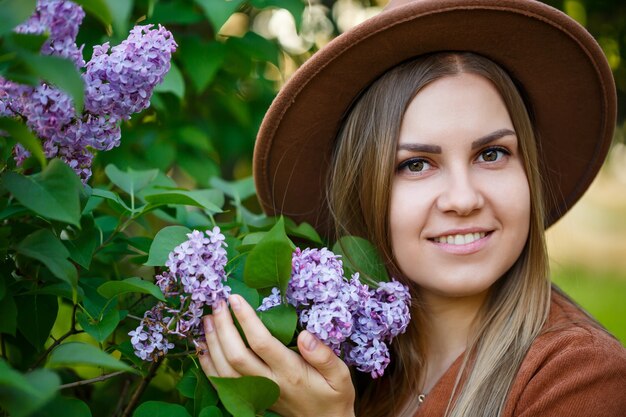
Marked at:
<point>422,147</point>
<point>491,137</point>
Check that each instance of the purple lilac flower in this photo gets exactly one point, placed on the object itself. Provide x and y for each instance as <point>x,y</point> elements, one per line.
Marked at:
<point>61,20</point>
<point>199,265</point>
<point>120,83</point>
<point>354,294</point>
<point>396,299</point>
<point>329,322</point>
<point>316,277</point>
<point>148,339</point>
<point>194,277</point>
<point>270,301</point>
<point>367,355</point>
<point>386,313</point>
<point>117,85</point>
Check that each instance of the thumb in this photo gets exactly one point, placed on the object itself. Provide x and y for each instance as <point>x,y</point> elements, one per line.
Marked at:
<point>324,360</point>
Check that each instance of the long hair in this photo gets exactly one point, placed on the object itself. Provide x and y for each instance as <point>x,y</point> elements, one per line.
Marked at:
<point>359,189</point>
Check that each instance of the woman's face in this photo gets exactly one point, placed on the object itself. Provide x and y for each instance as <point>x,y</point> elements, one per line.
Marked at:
<point>460,201</point>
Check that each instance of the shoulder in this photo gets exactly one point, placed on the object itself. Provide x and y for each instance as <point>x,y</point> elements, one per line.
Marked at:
<point>573,368</point>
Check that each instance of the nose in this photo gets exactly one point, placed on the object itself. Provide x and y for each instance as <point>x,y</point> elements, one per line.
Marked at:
<point>460,194</point>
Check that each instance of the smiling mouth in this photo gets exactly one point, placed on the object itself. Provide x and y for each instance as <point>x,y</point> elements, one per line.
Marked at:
<point>460,239</point>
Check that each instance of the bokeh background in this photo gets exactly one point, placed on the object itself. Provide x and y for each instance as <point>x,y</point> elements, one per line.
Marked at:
<point>233,57</point>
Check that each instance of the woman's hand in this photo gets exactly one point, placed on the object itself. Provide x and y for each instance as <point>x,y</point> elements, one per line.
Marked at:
<point>315,383</point>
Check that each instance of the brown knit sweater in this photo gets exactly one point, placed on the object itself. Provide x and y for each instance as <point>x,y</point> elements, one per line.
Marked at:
<point>573,369</point>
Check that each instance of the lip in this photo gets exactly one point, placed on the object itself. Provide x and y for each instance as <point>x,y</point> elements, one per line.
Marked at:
<point>466,249</point>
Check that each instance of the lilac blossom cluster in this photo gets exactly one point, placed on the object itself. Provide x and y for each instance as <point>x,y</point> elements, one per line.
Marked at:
<point>194,279</point>
<point>346,315</point>
<point>118,82</point>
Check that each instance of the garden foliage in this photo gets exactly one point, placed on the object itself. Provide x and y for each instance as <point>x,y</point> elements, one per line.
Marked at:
<point>97,189</point>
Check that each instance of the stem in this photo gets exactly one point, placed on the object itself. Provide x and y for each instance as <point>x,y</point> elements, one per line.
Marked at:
<point>92,380</point>
<point>118,229</point>
<point>120,402</point>
<point>141,388</point>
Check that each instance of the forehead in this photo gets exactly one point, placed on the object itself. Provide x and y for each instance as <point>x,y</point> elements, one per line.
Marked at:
<point>463,105</point>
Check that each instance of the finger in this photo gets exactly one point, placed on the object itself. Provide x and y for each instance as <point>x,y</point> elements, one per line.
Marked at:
<point>240,358</point>
<point>267,347</point>
<point>205,359</point>
<point>221,364</point>
<point>324,360</point>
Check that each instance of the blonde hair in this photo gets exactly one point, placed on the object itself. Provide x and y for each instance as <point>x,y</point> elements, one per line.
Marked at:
<point>358,196</point>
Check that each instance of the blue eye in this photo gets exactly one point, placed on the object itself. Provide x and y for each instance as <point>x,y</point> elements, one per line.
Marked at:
<point>492,154</point>
<point>414,165</point>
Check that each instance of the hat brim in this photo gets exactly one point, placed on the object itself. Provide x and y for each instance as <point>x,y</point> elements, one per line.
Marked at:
<point>562,70</point>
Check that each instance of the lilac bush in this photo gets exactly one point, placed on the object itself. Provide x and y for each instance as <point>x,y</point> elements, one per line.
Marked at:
<point>119,81</point>
<point>194,278</point>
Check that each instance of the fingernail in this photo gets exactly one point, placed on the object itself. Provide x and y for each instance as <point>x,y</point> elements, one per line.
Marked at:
<point>208,324</point>
<point>235,302</point>
<point>310,341</point>
<point>218,307</point>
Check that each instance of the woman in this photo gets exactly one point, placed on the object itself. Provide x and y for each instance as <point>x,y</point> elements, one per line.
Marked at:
<point>452,163</point>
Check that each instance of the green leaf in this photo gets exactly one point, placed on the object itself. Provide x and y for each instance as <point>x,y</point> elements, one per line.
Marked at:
<point>100,328</point>
<point>54,194</point>
<point>201,61</point>
<point>59,289</point>
<point>120,12</point>
<point>46,248</point>
<point>164,242</point>
<point>178,12</point>
<point>239,190</point>
<point>269,263</point>
<point>187,384</point>
<point>359,255</point>
<point>257,47</point>
<point>280,321</point>
<point>78,353</point>
<point>211,200</point>
<point>25,41</point>
<point>130,181</point>
<point>58,71</point>
<point>210,411</point>
<point>115,200</point>
<point>112,288</point>
<point>83,247</point>
<point>21,395</point>
<point>23,135</point>
<point>64,406</point>
<point>306,231</point>
<point>204,393</point>
<point>249,294</point>
<point>8,315</point>
<point>15,12</point>
<point>160,409</point>
<point>218,11</point>
<point>295,7</point>
<point>98,9</point>
<point>172,83</point>
<point>246,396</point>
<point>36,315</point>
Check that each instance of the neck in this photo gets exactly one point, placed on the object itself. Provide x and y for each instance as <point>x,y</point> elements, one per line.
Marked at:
<point>449,325</point>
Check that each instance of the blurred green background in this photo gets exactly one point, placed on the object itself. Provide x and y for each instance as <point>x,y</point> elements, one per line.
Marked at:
<point>233,57</point>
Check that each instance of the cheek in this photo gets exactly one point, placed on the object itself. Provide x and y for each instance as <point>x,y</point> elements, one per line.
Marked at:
<point>408,211</point>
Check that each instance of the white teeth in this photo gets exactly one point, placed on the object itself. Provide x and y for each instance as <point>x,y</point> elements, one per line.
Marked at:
<point>459,239</point>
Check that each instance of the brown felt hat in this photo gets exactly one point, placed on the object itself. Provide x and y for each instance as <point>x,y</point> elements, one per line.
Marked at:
<point>562,70</point>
